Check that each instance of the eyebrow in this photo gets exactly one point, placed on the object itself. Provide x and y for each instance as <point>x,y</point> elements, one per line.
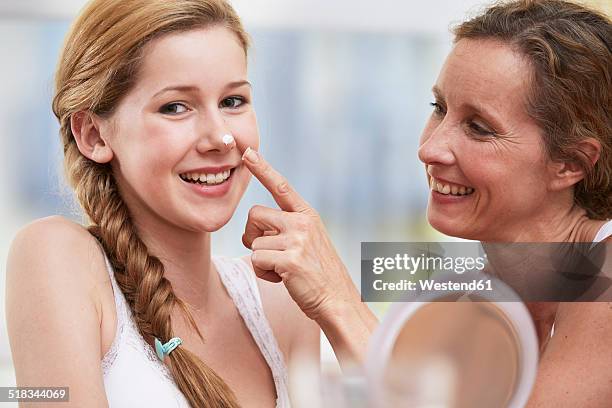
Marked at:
<point>193,88</point>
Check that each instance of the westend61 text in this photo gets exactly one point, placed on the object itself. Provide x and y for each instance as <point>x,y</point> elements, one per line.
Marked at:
<point>432,285</point>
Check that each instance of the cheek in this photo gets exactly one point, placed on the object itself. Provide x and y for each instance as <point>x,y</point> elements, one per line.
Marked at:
<point>149,151</point>
<point>505,177</point>
<point>245,131</point>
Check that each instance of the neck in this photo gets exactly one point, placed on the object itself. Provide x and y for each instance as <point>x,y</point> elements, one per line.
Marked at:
<point>569,224</point>
<point>186,256</point>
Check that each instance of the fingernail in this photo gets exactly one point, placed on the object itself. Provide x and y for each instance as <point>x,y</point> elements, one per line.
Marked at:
<point>251,155</point>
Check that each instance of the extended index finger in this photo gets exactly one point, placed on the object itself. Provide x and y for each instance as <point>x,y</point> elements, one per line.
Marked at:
<point>285,196</point>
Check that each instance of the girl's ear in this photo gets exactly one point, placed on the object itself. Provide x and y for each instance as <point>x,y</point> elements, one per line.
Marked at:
<point>566,174</point>
<point>88,139</point>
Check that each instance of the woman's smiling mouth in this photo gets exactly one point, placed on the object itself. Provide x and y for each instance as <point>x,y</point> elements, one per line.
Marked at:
<point>447,188</point>
<point>209,179</point>
<point>210,182</point>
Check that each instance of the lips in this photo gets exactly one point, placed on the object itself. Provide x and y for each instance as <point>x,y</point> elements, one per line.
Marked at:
<point>210,190</point>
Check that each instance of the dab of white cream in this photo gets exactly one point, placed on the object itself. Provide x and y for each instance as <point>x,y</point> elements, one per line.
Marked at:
<point>228,139</point>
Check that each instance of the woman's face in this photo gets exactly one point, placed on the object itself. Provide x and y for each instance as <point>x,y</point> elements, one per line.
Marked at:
<point>485,158</point>
<point>168,130</point>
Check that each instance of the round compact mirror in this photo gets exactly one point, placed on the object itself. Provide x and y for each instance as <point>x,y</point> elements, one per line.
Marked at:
<point>459,350</point>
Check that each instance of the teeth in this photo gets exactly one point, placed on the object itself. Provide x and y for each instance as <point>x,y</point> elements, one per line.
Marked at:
<point>206,178</point>
<point>446,189</point>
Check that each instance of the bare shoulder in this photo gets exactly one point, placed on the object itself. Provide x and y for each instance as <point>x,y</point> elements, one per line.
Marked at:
<point>577,363</point>
<point>591,321</point>
<point>55,246</point>
<point>293,329</point>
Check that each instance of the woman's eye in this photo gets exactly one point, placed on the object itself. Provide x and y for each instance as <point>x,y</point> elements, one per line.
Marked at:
<point>438,109</point>
<point>232,102</point>
<point>173,108</point>
<point>480,130</point>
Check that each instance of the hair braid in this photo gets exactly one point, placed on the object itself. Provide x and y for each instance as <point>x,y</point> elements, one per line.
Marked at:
<point>140,277</point>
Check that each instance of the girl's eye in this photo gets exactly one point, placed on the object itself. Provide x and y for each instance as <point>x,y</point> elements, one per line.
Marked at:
<point>480,130</point>
<point>173,108</point>
<point>232,102</point>
<point>438,109</point>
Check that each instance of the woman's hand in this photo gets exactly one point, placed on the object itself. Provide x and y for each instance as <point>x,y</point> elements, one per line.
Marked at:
<point>291,245</point>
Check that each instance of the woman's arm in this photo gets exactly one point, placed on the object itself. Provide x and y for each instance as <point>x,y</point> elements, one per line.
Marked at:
<point>292,245</point>
<point>52,311</point>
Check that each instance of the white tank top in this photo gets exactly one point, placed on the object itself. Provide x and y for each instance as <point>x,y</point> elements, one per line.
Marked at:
<point>604,232</point>
<point>133,375</point>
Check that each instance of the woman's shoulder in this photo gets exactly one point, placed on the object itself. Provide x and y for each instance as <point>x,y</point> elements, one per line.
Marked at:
<point>57,251</point>
<point>52,232</point>
<point>582,343</point>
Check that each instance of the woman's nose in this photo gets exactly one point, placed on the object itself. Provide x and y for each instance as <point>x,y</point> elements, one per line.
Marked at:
<point>435,145</point>
<point>214,134</point>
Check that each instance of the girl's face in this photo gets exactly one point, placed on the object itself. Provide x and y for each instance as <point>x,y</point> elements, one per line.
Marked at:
<point>169,130</point>
<point>485,157</point>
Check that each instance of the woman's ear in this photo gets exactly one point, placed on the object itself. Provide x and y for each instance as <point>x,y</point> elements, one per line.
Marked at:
<point>566,174</point>
<point>86,131</point>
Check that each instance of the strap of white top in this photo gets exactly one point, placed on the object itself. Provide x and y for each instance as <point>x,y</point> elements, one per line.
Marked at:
<point>240,282</point>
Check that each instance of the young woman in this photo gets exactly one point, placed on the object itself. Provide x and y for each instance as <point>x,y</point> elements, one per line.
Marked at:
<point>155,112</point>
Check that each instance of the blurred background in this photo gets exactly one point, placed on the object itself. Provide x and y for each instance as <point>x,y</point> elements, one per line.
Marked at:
<point>342,92</point>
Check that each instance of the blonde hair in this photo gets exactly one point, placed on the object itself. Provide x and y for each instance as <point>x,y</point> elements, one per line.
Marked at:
<point>98,65</point>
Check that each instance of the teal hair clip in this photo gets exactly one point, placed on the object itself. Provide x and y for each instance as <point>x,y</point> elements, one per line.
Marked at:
<point>163,350</point>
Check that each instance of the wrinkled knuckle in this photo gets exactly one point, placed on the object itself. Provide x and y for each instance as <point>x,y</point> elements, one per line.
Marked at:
<point>283,188</point>
<point>253,211</point>
<point>298,240</point>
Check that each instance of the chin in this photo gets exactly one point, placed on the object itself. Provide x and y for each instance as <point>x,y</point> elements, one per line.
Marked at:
<point>447,226</point>
<point>209,222</point>
<point>212,225</point>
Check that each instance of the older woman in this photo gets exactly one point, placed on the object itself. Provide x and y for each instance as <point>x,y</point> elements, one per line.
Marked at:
<point>517,149</point>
